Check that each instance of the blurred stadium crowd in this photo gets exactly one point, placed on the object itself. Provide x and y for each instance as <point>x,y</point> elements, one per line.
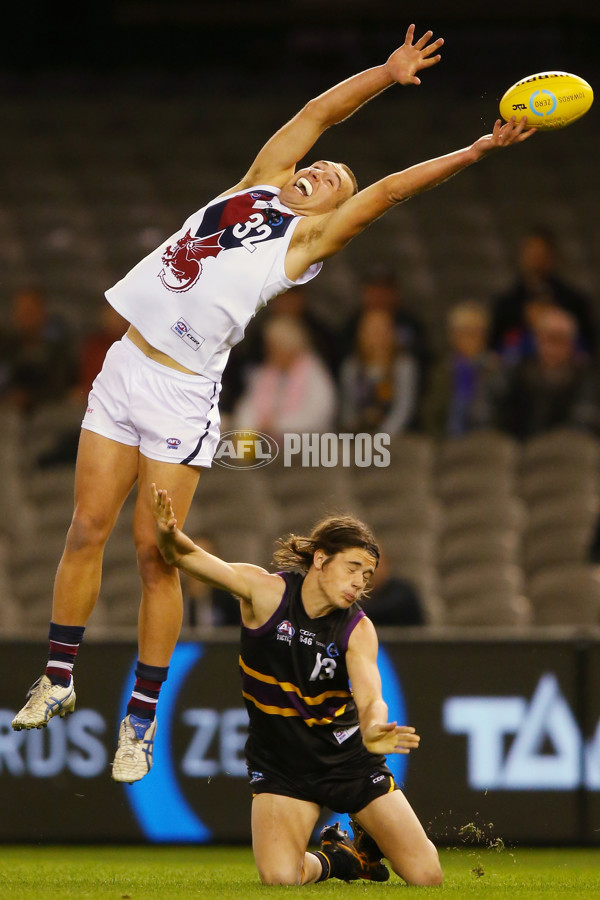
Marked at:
<point>464,325</point>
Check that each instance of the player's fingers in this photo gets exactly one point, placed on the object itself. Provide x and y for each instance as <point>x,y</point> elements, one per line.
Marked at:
<point>424,40</point>
<point>433,47</point>
<point>527,133</point>
<point>426,63</point>
<point>517,127</point>
<point>521,126</point>
<point>499,129</point>
<point>410,33</point>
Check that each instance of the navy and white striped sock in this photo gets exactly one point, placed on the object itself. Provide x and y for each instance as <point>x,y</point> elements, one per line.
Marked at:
<point>64,644</point>
<point>144,697</point>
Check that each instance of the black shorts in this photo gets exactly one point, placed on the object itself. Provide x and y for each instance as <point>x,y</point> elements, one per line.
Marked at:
<point>348,794</point>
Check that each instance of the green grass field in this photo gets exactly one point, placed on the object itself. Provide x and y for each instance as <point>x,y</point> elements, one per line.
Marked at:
<point>226,873</point>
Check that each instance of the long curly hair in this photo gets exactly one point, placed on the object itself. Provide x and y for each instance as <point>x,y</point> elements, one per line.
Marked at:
<point>333,534</point>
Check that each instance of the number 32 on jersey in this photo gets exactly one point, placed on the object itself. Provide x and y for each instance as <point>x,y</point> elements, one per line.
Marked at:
<point>256,224</point>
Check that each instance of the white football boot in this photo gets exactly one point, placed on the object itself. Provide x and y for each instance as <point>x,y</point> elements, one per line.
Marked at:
<point>44,700</point>
<point>133,758</point>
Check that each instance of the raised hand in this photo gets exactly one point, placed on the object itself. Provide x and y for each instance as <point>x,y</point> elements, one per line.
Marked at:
<point>504,135</point>
<point>407,60</point>
<point>391,738</point>
<point>162,510</point>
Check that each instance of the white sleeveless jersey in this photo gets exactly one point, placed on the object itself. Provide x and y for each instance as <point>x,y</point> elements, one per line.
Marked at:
<point>193,296</point>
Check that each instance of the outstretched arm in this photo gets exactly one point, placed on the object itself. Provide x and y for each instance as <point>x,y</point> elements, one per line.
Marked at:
<point>258,591</point>
<point>276,161</point>
<point>318,237</point>
<point>379,735</point>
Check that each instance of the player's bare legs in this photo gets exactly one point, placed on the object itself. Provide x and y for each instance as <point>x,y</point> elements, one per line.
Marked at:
<point>161,607</point>
<point>104,475</point>
<point>281,830</point>
<point>393,824</point>
<point>159,619</point>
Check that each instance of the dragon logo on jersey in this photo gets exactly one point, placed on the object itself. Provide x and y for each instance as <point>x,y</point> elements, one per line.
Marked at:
<point>183,260</point>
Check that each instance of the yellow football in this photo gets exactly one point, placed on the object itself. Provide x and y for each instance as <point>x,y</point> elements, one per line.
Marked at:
<point>549,100</point>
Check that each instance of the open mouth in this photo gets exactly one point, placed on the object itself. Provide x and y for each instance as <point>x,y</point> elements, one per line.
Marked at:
<point>304,186</point>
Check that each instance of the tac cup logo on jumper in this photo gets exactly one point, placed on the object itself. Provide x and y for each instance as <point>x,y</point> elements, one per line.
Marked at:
<point>285,631</point>
<point>187,334</point>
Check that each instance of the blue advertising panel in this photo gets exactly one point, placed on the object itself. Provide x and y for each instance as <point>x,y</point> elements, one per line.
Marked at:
<point>510,745</point>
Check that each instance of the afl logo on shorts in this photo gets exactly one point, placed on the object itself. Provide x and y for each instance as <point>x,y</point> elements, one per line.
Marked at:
<point>173,443</point>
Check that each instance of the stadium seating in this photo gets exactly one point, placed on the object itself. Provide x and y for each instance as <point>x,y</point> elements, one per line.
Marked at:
<point>91,185</point>
<point>565,595</point>
<point>498,551</point>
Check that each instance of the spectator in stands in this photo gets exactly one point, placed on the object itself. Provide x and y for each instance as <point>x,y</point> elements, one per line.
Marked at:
<point>393,600</point>
<point>537,287</point>
<point>380,290</point>
<point>38,353</point>
<point>94,347</point>
<point>555,387</point>
<point>250,352</point>
<point>465,384</point>
<point>92,351</point>
<point>378,382</point>
<point>292,390</point>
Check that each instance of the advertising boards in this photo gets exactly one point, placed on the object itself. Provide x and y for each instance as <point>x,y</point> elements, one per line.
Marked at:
<point>510,745</point>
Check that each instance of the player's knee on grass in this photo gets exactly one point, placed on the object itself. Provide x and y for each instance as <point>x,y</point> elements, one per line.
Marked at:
<point>424,870</point>
<point>280,872</point>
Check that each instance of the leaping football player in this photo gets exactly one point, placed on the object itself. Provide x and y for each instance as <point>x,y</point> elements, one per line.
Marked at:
<point>153,412</point>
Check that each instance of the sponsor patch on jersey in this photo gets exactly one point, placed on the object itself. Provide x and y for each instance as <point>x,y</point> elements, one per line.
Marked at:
<point>286,628</point>
<point>256,777</point>
<point>332,650</point>
<point>342,734</point>
<point>185,331</point>
<point>376,778</point>
<point>285,631</point>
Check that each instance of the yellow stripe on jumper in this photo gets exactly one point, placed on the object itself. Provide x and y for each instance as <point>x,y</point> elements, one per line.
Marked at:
<point>291,688</point>
<point>288,711</point>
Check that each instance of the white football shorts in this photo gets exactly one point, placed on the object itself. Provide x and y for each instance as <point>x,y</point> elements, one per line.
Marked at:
<point>171,416</point>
